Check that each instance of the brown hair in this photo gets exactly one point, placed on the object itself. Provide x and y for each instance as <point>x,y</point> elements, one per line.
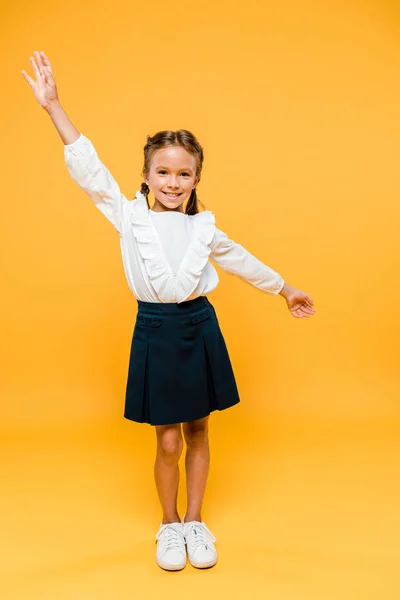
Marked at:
<point>163,139</point>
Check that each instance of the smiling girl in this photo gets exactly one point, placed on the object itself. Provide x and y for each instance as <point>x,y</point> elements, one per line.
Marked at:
<point>179,367</point>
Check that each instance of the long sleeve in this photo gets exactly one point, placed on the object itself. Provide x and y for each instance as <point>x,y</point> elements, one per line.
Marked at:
<point>235,259</point>
<point>87,170</point>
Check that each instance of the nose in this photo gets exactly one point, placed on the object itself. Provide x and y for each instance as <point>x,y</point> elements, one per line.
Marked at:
<point>173,183</point>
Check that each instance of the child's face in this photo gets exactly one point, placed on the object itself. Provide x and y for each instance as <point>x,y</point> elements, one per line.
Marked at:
<point>172,171</point>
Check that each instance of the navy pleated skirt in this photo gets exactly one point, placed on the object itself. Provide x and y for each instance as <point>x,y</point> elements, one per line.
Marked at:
<point>179,366</point>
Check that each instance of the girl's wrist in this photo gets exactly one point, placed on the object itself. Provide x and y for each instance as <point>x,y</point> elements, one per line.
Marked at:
<point>53,106</point>
<point>285,290</point>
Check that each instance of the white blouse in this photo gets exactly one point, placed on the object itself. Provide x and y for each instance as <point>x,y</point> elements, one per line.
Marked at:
<point>165,255</point>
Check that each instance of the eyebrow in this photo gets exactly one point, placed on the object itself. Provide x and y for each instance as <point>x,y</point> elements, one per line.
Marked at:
<point>184,169</point>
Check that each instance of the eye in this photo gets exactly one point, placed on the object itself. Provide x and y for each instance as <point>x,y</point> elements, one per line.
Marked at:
<point>161,171</point>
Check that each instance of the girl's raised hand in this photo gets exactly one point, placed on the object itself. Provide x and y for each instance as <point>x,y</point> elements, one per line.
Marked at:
<point>44,87</point>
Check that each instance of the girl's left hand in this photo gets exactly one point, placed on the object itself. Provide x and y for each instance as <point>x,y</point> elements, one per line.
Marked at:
<point>300,304</point>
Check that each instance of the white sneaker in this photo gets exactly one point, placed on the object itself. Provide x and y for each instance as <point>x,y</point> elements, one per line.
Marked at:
<point>171,550</point>
<point>199,543</point>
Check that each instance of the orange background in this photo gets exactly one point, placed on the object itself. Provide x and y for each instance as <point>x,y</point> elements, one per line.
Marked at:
<point>297,108</point>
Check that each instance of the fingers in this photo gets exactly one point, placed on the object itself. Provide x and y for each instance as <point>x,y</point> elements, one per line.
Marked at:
<point>34,66</point>
<point>45,60</point>
<point>310,310</point>
<point>303,306</point>
<point>47,66</point>
<point>41,67</point>
<point>299,314</point>
<point>302,311</point>
<point>39,61</point>
<point>29,80</point>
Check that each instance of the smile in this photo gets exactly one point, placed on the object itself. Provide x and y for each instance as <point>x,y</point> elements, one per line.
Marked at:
<point>171,195</point>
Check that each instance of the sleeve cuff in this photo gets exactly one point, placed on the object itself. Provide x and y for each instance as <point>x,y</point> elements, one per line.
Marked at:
<point>77,148</point>
<point>280,286</point>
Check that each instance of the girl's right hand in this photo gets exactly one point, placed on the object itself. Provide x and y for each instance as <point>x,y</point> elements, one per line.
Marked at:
<point>44,87</point>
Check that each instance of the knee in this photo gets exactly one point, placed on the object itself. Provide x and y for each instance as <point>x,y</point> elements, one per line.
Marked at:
<point>170,445</point>
<point>196,432</point>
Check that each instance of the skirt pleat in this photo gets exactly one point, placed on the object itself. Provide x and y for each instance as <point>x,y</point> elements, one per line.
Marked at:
<point>179,365</point>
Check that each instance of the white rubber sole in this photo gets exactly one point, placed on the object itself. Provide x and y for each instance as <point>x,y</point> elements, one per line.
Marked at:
<point>210,563</point>
<point>167,567</point>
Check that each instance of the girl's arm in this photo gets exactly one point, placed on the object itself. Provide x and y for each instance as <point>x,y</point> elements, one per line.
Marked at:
<point>68,132</point>
<point>235,259</point>
<point>80,155</point>
<point>87,170</point>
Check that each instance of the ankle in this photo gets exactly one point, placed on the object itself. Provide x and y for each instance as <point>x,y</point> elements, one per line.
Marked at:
<point>192,517</point>
<point>166,520</point>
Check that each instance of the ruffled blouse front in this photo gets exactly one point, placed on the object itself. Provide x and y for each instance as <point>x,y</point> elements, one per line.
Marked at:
<point>156,269</point>
<point>168,286</point>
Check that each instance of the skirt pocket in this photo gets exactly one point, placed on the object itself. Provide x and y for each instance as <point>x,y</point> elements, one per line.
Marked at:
<point>149,321</point>
<point>200,315</point>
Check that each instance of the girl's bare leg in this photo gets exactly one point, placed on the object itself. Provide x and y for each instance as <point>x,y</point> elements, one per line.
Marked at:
<point>197,462</point>
<point>166,469</point>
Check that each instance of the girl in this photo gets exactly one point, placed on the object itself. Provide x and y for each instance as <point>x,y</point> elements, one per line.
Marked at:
<point>179,367</point>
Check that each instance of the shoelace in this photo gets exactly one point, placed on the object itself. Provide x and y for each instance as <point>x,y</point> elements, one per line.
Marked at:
<point>200,531</point>
<point>173,536</point>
